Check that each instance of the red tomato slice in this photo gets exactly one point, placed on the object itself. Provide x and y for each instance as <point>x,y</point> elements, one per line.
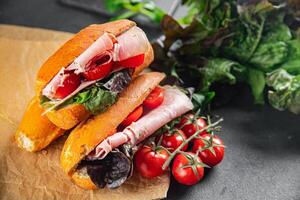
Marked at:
<point>134,116</point>
<point>71,83</point>
<point>130,62</point>
<point>155,98</point>
<point>99,67</point>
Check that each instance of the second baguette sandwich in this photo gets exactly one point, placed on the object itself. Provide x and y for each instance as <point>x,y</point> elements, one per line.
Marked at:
<point>99,152</point>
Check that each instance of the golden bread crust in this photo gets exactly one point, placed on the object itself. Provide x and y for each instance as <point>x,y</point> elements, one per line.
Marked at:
<point>35,131</point>
<point>69,116</point>
<point>83,181</point>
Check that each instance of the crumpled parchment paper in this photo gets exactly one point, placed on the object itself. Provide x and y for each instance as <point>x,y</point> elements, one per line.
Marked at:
<point>25,175</point>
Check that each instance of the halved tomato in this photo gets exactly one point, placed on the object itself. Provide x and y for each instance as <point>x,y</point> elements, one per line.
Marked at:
<point>99,67</point>
<point>134,116</point>
<point>71,83</point>
<point>155,98</point>
<point>132,62</point>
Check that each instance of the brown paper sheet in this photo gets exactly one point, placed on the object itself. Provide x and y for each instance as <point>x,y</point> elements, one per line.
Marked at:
<point>33,176</point>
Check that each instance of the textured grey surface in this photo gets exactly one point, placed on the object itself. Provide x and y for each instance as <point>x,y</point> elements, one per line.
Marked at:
<point>262,159</point>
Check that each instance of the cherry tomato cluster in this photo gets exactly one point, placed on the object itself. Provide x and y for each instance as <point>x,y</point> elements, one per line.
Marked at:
<point>99,67</point>
<point>188,145</point>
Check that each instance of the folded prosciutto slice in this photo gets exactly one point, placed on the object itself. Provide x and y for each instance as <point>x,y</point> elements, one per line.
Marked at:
<point>174,105</point>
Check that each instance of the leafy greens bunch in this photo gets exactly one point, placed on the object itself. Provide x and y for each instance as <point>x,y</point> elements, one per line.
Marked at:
<point>252,42</point>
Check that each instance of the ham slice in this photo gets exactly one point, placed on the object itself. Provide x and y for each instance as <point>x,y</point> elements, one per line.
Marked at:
<point>131,43</point>
<point>174,105</point>
<point>102,44</point>
<point>58,79</point>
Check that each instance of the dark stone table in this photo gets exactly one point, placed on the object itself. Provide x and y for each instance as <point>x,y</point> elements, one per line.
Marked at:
<point>262,159</point>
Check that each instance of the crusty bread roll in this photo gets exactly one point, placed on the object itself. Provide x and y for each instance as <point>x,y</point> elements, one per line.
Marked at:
<point>87,135</point>
<point>36,131</point>
<point>71,115</point>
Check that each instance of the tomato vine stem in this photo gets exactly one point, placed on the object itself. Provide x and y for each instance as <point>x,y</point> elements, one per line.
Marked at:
<point>172,155</point>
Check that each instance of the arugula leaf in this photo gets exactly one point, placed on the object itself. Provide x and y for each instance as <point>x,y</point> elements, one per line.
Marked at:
<point>285,90</point>
<point>256,80</point>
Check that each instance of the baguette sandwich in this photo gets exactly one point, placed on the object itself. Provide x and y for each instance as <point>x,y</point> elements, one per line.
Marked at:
<point>98,152</point>
<point>82,78</point>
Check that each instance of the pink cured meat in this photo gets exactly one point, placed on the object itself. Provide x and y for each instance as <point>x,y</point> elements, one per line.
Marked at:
<point>102,44</point>
<point>131,43</point>
<point>174,105</point>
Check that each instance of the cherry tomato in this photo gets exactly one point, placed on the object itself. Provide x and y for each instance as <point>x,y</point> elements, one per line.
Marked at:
<point>206,155</point>
<point>186,169</point>
<point>149,162</point>
<point>132,62</point>
<point>71,83</point>
<point>155,98</point>
<point>173,140</point>
<point>134,116</point>
<point>99,67</point>
<point>191,127</point>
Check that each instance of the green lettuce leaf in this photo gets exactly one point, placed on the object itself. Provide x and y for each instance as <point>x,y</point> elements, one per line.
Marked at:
<point>218,69</point>
<point>292,65</point>
<point>276,31</point>
<point>268,55</point>
<point>96,99</point>
<point>256,80</point>
<point>285,90</point>
<point>99,100</point>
